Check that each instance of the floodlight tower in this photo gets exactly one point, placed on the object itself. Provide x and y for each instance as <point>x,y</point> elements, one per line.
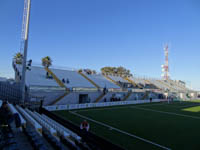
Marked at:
<point>165,67</point>
<point>24,44</point>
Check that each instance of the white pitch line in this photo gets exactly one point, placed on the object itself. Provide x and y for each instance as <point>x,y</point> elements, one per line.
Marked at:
<point>118,130</point>
<point>164,112</point>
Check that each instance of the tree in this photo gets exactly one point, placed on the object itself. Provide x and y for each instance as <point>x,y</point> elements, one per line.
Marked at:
<point>119,71</point>
<point>46,61</point>
<point>18,58</point>
<point>94,72</point>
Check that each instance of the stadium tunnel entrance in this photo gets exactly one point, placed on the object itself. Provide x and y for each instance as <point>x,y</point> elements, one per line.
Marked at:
<point>83,98</point>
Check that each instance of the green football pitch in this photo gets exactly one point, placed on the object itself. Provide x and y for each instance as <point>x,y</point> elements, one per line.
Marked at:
<point>144,126</point>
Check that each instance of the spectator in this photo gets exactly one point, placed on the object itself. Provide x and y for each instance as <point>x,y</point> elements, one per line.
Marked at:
<point>6,117</point>
<point>104,90</point>
<point>105,99</point>
<point>85,126</point>
<point>63,80</point>
<point>47,74</point>
<point>30,62</point>
<point>67,81</point>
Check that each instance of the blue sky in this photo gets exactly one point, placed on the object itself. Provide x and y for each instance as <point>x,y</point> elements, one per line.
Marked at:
<point>97,33</point>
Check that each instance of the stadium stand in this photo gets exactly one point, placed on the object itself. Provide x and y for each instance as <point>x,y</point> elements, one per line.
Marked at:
<point>74,78</point>
<point>127,96</point>
<point>81,86</point>
<point>118,79</point>
<point>159,84</point>
<point>44,132</point>
<point>37,77</point>
<point>131,82</point>
<point>14,111</point>
<point>92,82</point>
<point>40,133</point>
<point>122,82</point>
<point>32,121</point>
<point>113,81</point>
<point>51,74</point>
<point>101,81</point>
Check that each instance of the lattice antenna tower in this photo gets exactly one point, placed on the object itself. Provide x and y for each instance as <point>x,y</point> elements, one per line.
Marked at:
<point>165,67</point>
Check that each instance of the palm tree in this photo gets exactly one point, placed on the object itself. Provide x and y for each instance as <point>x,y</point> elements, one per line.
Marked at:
<point>18,58</point>
<point>46,61</point>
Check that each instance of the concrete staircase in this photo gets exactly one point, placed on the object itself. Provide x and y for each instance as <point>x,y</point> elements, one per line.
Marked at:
<point>59,83</point>
<point>55,78</point>
<point>127,96</point>
<point>166,85</point>
<point>99,98</point>
<point>59,98</point>
<point>180,87</point>
<point>113,81</point>
<point>148,82</point>
<point>132,82</point>
<point>83,75</point>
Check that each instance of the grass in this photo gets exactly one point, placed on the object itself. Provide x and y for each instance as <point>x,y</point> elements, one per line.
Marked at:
<point>175,125</point>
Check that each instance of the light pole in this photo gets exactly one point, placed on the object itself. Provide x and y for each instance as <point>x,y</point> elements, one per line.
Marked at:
<point>25,30</point>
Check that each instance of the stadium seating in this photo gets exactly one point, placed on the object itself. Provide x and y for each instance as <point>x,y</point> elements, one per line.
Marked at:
<point>33,122</point>
<point>61,129</point>
<point>53,132</point>
<point>75,79</point>
<point>54,93</point>
<point>35,139</point>
<point>118,78</point>
<point>37,77</point>
<point>138,80</point>
<point>123,82</point>
<point>177,85</point>
<point>159,84</point>
<point>42,122</point>
<point>101,81</point>
<point>14,111</point>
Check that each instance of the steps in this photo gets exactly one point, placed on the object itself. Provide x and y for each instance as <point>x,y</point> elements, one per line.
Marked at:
<point>110,79</point>
<point>127,96</point>
<point>99,98</point>
<point>55,78</point>
<point>166,85</point>
<point>148,82</point>
<point>172,82</point>
<point>59,98</point>
<point>82,74</point>
<point>59,83</point>
<point>132,82</point>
